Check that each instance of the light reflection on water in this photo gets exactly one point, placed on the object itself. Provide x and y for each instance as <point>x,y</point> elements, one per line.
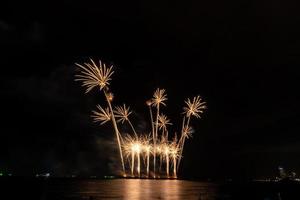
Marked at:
<point>132,189</point>
<point>151,189</point>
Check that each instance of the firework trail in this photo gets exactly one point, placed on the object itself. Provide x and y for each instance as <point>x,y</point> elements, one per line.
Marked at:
<point>93,76</point>
<point>174,152</point>
<point>132,163</point>
<point>166,152</point>
<point>149,104</point>
<point>159,97</point>
<point>119,136</point>
<point>137,149</point>
<point>129,150</point>
<point>192,108</point>
<point>147,150</point>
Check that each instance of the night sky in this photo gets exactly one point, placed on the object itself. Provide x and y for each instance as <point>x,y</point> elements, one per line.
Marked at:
<point>242,57</point>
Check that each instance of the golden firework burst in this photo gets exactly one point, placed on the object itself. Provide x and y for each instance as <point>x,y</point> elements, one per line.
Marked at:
<point>187,131</point>
<point>92,75</point>
<point>194,107</point>
<point>159,97</point>
<point>102,115</point>
<point>129,141</point>
<point>174,150</point>
<point>122,113</point>
<point>163,121</point>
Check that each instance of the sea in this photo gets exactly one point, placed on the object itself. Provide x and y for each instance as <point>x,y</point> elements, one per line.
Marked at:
<point>144,189</point>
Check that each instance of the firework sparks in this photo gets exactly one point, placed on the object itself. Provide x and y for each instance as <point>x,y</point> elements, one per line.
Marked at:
<point>166,152</point>
<point>195,107</point>
<point>163,121</point>
<point>122,113</point>
<point>92,75</point>
<point>102,115</point>
<point>187,131</point>
<point>136,147</point>
<point>174,152</point>
<point>159,152</point>
<point>127,146</point>
<point>159,97</point>
<point>147,150</point>
<point>133,147</point>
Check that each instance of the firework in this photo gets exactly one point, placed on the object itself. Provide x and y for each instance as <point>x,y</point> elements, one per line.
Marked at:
<point>147,150</point>
<point>159,152</point>
<point>195,107</point>
<point>149,104</point>
<point>155,144</point>
<point>128,150</point>
<point>174,153</point>
<point>192,108</point>
<point>133,147</point>
<point>122,113</point>
<point>102,115</point>
<point>93,76</point>
<point>163,121</point>
<point>159,97</point>
<point>166,152</point>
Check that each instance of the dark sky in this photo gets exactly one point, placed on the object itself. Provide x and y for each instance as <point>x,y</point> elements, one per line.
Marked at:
<point>242,57</point>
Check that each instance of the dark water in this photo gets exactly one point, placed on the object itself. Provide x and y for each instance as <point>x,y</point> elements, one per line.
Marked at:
<point>132,189</point>
<point>95,189</point>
